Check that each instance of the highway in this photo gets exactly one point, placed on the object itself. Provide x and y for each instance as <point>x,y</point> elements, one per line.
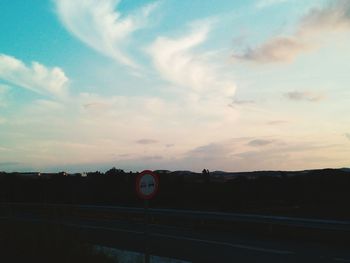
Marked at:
<point>320,224</point>
<point>231,217</point>
<point>208,246</point>
<point>194,244</point>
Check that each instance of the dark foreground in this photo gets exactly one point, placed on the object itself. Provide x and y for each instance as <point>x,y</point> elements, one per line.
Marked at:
<point>308,194</point>
<point>23,241</point>
<point>190,244</point>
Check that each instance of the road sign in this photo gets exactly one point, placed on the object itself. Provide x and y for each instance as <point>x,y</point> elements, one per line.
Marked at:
<point>147,184</point>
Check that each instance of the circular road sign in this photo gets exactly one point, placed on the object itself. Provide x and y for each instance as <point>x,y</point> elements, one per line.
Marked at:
<point>147,184</point>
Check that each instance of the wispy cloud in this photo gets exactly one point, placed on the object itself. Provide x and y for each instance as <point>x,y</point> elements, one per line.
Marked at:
<point>279,49</point>
<point>249,154</point>
<point>305,96</point>
<point>95,105</point>
<point>211,151</point>
<point>35,77</point>
<point>178,62</point>
<point>347,135</point>
<point>146,141</point>
<point>101,26</point>
<point>334,16</point>
<point>318,21</point>
<point>259,142</point>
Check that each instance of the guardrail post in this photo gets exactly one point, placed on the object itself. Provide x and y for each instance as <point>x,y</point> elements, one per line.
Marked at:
<point>146,219</point>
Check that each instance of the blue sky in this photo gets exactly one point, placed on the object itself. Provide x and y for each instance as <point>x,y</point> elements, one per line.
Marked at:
<point>223,85</point>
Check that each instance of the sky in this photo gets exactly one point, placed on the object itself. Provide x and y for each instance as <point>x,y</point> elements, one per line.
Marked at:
<point>226,85</point>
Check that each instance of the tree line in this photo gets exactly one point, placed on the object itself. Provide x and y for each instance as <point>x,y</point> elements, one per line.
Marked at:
<point>315,193</point>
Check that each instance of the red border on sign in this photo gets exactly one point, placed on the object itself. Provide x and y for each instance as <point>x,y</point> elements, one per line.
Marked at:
<point>138,179</point>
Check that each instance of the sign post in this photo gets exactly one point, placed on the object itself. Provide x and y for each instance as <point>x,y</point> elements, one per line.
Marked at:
<point>147,184</point>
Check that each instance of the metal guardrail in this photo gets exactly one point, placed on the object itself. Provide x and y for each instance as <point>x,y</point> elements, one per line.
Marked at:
<point>234,217</point>
<point>195,215</point>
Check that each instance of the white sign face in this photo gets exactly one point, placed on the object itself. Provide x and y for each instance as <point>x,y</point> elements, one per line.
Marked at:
<point>147,184</point>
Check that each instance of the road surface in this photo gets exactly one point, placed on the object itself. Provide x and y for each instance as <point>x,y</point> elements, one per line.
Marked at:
<point>198,245</point>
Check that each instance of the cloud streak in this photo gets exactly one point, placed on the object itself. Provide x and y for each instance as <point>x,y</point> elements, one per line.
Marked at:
<point>318,21</point>
<point>178,62</point>
<point>249,154</point>
<point>101,26</point>
<point>146,141</point>
<point>35,77</point>
<point>259,142</point>
<point>347,136</point>
<point>304,96</point>
<point>334,16</point>
<point>279,49</point>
